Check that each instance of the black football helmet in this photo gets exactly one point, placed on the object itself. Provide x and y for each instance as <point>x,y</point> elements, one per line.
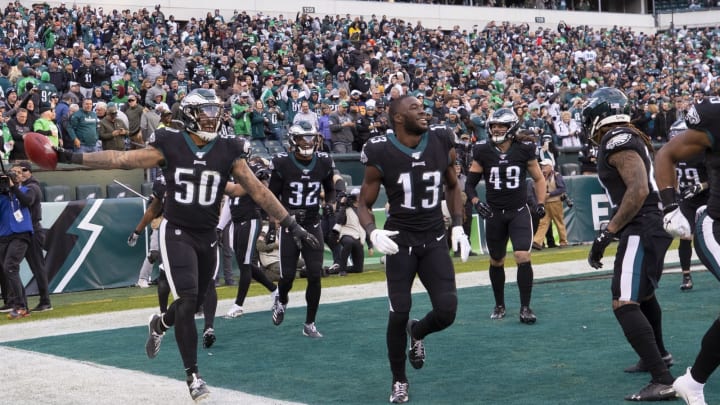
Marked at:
<point>605,106</point>
<point>201,112</point>
<point>304,139</point>
<point>676,128</point>
<point>261,167</point>
<point>505,117</point>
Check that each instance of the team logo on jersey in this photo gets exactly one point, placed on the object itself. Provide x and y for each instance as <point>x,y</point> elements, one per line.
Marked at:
<point>692,117</point>
<point>618,140</point>
<point>416,155</point>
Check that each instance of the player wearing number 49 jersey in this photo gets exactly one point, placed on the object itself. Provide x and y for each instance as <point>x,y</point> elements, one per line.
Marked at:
<point>416,165</point>
<point>197,164</point>
<point>504,161</point>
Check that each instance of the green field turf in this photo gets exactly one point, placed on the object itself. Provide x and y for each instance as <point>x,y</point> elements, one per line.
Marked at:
<point>575,354</point>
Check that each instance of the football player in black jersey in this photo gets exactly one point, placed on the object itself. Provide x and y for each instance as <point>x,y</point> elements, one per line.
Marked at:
<point>625,169</point>
<point>246,217</point>
<point>692,180</point>
<point>197,164</point>
<point>413,164</point>
<point>504,161</point>
<point>298,177</point>
<point>703,122</point>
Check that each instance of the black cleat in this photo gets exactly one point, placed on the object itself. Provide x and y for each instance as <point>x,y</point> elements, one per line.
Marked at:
<point>653,392</point>
<point>687,283</point>
<point>278,311</point>
<point>399,393</point>
<point>198,388</point>
<point>416,354</point>
<point>152,345</point>
<point>209,338</point>
<point>640,366</point>
<point>498,312</point>
<point>527,315</point>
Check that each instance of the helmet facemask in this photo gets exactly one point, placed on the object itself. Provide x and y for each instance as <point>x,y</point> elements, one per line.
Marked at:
<point>305,145</point>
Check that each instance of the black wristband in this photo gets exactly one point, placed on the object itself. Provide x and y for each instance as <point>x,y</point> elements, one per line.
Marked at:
<point>76,158</point>
<point>457,220</point>
<point>369,228</point>
<point>668,197</point>
<point>288,221</point>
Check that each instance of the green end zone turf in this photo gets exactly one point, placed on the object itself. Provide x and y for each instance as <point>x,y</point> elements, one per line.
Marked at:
<point>575,353</point>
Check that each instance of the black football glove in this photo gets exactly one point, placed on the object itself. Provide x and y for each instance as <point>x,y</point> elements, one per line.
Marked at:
<point>598,248</point>
<point>483,209</point>
<point>63,155</point>
<point>540,210</point>
<point>133,238</point>
<point>303,237</point>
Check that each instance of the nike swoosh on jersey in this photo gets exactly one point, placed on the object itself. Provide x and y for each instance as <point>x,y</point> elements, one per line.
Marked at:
<point>213,244</point>
<point>439,238</point>
<point>316,225</point>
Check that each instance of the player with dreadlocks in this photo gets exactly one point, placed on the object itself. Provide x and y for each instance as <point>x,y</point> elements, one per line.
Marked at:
<point>625,169</point>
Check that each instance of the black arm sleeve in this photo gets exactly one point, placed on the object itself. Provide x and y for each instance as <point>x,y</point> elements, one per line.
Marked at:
<point>473,179</point>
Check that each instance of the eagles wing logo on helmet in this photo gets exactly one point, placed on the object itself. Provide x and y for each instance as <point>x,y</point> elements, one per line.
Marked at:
<point>692,117</point>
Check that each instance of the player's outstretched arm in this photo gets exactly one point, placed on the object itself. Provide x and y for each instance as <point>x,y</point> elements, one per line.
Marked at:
<point>261,194</point>
<point>110,159</point>
<point>687,144</point>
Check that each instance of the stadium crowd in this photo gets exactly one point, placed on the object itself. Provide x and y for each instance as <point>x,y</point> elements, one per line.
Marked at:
<point>338,72</point>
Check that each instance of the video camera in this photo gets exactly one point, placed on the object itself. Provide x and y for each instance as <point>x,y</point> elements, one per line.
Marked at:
<point>568,200</point>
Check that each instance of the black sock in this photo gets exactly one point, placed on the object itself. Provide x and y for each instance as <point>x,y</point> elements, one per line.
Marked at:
<point>640,335</point>
<point>653,313</point>
<point>497,279</point>
<point>685,253</point>
<point>209,307</point>
<point>190,370</point>
<point>525,282</point>
<point>709,357</point>
<point>396,338</point>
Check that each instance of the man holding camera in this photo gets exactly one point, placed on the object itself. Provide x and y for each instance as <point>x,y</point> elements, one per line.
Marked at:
<point>350,234</point>
<point>16,235</point>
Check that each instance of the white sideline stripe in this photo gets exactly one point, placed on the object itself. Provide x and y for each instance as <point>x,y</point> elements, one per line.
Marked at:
<point>95,230</point>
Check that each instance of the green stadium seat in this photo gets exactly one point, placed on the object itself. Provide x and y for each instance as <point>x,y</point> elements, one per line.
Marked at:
<point>117,191</point>
<point>146,189</point>
<point>570,169</point>
<point>57,193</point>
<point>88,191</point>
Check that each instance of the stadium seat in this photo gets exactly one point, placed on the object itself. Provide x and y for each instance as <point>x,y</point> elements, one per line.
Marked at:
<point>570,169</point>
<point>271,143</point>
<point>276,149</point>
<point>146,189</point>
<point>258,145</point>
<point>88,191</point>
<point>57,193</point>
<point>117,191</point>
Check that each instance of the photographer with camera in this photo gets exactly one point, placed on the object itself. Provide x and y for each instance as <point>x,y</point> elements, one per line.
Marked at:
<point>350,235</point>
<point>35,255</point>
<point>16,235</point>
<point>553,205</point>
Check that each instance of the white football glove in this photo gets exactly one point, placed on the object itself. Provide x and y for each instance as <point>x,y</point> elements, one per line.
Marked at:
<point>676,224</point>
<point>460,241</point>
<point>382,242</point>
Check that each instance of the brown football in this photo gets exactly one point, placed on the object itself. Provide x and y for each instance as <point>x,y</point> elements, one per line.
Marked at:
<point>40,151</point>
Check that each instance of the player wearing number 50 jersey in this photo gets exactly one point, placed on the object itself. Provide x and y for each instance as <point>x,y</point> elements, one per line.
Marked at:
<point>298,177</point>
<point>197,164</point>
<point>504,161</point>
<point>416,165</point>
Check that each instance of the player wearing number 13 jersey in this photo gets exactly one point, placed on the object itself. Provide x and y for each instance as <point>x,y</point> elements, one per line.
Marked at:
<point>416,165</point>
<point>298,177</point>
<point>504,161</point>
<point>197,164</point>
